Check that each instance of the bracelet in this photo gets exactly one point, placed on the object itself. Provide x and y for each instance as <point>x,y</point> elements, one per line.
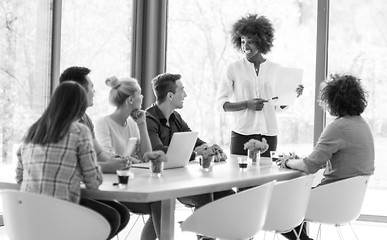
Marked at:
<point>285,163</point>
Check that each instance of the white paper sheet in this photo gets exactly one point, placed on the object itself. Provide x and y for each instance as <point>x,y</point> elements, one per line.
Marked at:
<point>285,85</point>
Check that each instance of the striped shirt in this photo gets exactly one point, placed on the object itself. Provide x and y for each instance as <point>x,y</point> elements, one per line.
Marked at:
<point>57,169</point>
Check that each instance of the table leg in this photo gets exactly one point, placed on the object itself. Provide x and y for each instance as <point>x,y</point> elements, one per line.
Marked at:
<point>167,230</point>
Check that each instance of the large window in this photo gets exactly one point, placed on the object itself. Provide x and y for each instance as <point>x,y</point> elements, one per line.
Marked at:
<point>25,40</point>
<point>97,35</point>
<point>358,45</point>
<point>199,47</point>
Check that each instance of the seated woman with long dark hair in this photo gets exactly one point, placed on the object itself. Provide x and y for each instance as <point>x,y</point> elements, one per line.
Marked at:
<point>57,153</point>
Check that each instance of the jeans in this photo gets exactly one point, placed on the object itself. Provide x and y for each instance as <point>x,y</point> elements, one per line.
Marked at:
<point>122,210</point>
<point>111,214</point>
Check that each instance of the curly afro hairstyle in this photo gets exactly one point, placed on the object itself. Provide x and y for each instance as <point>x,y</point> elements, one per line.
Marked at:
<point>344,95</point>
<point>253,25</point>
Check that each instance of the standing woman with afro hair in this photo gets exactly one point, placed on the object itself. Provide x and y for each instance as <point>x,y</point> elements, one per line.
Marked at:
<point>247,84</point>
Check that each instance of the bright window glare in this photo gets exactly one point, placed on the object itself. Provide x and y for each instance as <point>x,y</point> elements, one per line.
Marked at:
<point>97,36</point>
<point>199,47</point>
<point>356,46</point>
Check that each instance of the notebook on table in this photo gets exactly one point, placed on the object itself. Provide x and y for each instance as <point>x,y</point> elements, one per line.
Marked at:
<point>179,150</point>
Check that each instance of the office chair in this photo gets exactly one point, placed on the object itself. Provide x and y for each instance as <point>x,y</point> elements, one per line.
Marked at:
<point>337,203</point>
<point>39,217</point>
<point>238,216</point>
<point>288,204</point>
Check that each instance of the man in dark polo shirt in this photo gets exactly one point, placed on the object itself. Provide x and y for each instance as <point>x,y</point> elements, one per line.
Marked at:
<point>163,121</point>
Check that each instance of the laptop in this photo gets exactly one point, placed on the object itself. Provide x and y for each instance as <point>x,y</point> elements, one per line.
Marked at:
<point>179,150</point>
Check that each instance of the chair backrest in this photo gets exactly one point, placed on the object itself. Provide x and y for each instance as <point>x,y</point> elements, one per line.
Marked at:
<point>288,204</point>
<point>238,216</point>
<point>338,202</point>
<point>39,217</point>
<point>6,185</point>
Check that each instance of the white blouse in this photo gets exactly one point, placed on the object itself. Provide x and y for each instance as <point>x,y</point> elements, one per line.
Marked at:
<point>239,82</point>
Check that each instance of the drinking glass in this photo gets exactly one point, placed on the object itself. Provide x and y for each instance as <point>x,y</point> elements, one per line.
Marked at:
<point>254,156</point>
<point>207,163</point>
<point>123,178</point>
<point>156,168</point>
<point>242,162</point>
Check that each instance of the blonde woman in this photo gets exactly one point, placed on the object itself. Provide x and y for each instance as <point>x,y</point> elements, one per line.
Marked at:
<point>115,131</point>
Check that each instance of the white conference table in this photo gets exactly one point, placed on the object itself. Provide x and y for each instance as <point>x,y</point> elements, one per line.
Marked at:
<point>187,181</point>
<point>174,183</point>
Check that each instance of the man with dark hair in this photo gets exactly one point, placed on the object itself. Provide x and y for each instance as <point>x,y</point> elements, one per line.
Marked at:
<point>163,121</point>
<point>78,74</point>
<point>108,162</point>
<point>116,213</point>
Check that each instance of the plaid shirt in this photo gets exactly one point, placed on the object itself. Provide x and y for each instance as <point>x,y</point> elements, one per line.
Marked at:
<point>57,169</point>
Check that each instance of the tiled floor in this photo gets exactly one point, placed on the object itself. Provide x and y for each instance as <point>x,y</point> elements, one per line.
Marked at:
<point>364,230</point>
